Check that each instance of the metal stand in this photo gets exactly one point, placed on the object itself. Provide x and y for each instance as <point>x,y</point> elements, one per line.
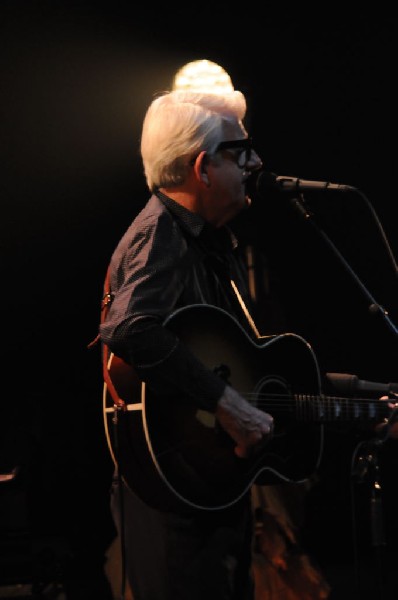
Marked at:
<point>367,469</point>
<point>115,421</point>
<point>299,204</point>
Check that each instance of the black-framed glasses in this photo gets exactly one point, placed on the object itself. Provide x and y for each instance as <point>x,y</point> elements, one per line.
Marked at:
<point>244,149</point>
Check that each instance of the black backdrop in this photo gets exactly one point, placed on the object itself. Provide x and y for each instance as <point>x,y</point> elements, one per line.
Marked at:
<point>76,80</point>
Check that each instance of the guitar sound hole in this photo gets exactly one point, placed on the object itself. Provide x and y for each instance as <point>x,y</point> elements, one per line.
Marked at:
<point>272,389</point>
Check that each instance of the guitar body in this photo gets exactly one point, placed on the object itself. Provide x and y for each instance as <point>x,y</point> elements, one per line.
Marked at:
<point>174,455</point>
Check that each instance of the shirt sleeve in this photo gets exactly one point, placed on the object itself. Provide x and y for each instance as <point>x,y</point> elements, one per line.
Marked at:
<point>147,278</point>
<point>169,367</point>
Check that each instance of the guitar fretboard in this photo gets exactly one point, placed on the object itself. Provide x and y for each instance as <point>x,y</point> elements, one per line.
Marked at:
<point>332,408</point>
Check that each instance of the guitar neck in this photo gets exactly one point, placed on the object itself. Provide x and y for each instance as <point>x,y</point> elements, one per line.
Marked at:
<point>324,409</point>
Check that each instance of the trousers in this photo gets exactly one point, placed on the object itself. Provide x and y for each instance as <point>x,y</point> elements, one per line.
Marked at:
<point>203,555</point>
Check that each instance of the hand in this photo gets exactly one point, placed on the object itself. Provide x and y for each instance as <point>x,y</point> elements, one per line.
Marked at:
<point>392,426</point>
<point>247,425</point>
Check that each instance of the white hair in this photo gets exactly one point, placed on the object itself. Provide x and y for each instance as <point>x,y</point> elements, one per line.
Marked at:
<point>181,123</point>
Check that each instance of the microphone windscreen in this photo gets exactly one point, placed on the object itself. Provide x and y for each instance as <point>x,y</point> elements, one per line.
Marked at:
<point>266,181</point>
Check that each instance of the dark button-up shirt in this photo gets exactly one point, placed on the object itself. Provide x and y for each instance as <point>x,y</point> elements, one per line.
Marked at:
<point>169,258</point>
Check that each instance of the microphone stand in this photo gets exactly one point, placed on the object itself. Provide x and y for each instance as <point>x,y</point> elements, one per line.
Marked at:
<point>368,462</point>
<point>117,414</point>
<point>300,206</point>
<point>367,468</point>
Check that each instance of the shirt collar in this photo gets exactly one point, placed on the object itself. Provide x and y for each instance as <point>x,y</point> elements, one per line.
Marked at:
<point>192,222</point>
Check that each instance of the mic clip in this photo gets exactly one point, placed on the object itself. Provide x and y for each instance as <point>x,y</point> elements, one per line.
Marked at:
<point>300,206</point>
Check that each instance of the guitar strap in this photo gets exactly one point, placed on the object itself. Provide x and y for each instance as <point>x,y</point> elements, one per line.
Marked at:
<point>105,303</point>
<point>119,404</point>
<point>245,309</point>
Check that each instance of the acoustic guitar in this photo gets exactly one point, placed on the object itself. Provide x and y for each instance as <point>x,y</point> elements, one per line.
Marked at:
<point>173,454</point>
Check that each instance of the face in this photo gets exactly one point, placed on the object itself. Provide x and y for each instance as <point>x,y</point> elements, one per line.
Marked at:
<point>228,170</point>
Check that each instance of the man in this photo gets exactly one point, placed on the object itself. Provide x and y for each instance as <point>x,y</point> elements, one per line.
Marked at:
<point>178,252</point>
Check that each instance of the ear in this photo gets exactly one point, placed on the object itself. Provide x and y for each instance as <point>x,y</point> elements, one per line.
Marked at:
<point>200,168</point>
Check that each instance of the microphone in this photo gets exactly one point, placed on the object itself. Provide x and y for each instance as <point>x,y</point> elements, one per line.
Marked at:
<point>347,384</point>
<point>267,181</point>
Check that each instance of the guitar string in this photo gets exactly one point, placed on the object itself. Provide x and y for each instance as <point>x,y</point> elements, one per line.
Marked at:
<point>314,397</point>
<point>309,403</point>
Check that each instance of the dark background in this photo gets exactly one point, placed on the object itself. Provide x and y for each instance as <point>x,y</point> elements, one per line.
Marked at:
<point>76,80</point>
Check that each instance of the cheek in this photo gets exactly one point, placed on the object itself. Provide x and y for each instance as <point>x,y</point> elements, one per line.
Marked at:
<point>229,189</point>
<point>238,189</point>
<point>233,180</point>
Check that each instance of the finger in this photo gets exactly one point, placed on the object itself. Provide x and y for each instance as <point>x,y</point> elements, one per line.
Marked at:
<point>241,451</point>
